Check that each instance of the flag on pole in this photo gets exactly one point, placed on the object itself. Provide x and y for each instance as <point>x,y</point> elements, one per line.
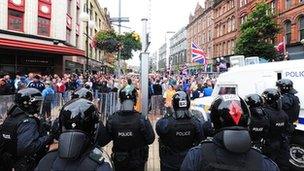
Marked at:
<point>281,47</point>
<point>198,55</point>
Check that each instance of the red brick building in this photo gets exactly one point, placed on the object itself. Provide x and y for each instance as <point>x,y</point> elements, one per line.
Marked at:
<point>200,30</point>
<point>225,27</point>
<point>290,17</point>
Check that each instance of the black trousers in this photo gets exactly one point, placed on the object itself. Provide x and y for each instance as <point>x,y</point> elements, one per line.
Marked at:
<point>129,167</point>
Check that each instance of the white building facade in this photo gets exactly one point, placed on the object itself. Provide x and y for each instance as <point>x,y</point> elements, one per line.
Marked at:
<point>178,49</point>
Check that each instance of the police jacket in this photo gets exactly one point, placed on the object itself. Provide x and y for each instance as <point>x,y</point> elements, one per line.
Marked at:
<point>291,105</point>
<point>279,125</point>
<point>75,152</point>
<point>229,150</point>
<point>259,124</point>
<point>21,132</point>
<point>129,130</point>
<point>176,137</point>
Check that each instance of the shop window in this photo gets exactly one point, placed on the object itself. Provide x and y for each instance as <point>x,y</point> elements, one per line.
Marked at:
<point>44,26</point>
<point>288,31</point>
<point>15,20</point>
<point>301,27</point>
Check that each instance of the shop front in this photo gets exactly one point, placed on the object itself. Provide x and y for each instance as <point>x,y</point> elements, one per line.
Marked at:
<point>23,57</point>
<point>23,62</point>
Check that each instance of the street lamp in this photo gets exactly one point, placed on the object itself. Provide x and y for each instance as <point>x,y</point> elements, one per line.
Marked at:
<point>85,17</point>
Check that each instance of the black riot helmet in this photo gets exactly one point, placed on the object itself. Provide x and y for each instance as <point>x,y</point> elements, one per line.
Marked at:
<point>286,86</point>
<point>83,93</point>
<point>229,110</point>
<point>128,93</point>
<point>181,104</point>
<point>79,115</point>
<point>254,100</point>
<point>29,100</point>
<point>272,98</point>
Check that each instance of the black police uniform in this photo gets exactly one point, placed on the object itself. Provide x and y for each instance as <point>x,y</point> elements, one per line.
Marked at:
<point>227,153</point>
<point>131,133</point>
<point>290,102</point>
<point>259,122</point>
<point>230,148</point>
<point>277,145</point>
<point>176,137</point>
<point>291,105</point>
<point>22,143</point>
<point>258,127</point>
<point>77,149</point>
<point>178,132</point>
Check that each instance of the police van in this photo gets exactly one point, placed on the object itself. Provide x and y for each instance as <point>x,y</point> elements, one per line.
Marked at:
<point>255,79</point>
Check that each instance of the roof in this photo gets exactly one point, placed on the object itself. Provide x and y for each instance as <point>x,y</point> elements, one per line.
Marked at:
<point>268,66</point>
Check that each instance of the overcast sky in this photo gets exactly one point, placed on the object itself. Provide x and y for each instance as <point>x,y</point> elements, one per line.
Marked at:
<point>166,15</point>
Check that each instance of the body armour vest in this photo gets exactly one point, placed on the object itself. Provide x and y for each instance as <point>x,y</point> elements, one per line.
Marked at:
<point>219,159</point>
<point>181,134</point>
<point>8,139</point>
<point>291,105</point>
<point>278,123</point>
<point>126,131</point>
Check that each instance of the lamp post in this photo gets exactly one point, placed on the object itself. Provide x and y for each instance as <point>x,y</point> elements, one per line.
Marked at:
<point>85,17</point>
<point>119,20</point>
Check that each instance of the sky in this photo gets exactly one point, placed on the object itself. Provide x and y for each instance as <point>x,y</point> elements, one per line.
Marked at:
<point>166,15</point>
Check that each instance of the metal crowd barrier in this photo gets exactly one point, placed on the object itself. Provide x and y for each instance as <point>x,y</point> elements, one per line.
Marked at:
<point>5,103</point>
<point>157,104</point>
<point>107,104</point>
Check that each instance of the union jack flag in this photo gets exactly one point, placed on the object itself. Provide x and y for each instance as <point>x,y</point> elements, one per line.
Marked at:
<point>198,55</point>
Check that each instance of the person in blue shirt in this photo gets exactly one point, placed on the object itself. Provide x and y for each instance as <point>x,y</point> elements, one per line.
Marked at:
<point>208,89</point>
<point>36,83</point>
<point>48,94</point>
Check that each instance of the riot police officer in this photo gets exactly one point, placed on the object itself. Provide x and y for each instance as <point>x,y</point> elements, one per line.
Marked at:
<point>78,120</point>
<point>259,123</point>
<point>103,137</point>
<point>277,146</point>
<point>131,133</point>
<point>290,102</point>
<point>22,143</point>
<point>230,148</point>
<point>83,93</point>
<point>177,133</point>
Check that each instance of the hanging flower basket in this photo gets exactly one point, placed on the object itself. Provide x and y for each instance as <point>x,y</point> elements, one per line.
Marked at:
<point>111,42</point>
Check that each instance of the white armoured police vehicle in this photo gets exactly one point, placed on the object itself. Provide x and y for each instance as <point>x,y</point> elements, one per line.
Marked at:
<point>255,79</point>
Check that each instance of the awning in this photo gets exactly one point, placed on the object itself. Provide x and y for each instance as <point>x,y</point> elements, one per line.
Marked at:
<point>39,47</point>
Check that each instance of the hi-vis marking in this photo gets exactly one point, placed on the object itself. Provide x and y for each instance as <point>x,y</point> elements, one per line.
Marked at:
<point>229,97</point>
